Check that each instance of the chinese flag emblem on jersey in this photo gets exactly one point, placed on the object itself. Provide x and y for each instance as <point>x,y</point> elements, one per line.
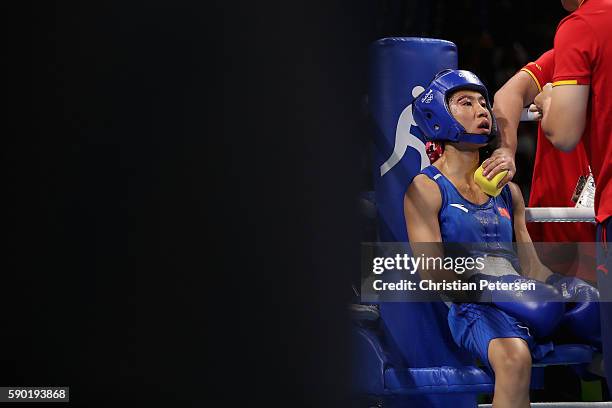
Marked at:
<point>503,212</point>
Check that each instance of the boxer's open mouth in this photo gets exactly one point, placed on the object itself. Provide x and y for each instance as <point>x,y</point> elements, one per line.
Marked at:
<point>484,125</point>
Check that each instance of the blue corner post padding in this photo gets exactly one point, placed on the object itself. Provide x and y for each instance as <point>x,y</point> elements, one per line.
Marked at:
<point>400,69</point>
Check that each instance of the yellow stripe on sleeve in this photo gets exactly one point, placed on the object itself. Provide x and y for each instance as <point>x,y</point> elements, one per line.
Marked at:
<point>567,82</point>
<point>534,78</point>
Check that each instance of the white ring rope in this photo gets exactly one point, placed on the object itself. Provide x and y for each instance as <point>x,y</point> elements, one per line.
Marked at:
<point>559,214</point>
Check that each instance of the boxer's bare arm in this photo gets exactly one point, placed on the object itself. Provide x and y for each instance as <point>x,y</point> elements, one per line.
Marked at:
<point>564,110</point>
<point>531,265</point>
<point>422,203</point>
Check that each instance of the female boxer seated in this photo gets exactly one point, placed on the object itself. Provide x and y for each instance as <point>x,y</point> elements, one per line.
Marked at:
<point>444,204</point>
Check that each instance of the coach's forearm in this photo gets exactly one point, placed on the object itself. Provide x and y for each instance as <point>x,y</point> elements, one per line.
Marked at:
<point>507,113</point>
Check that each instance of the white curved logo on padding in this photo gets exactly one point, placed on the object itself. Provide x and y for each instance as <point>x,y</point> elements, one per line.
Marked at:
<point>405,139</point>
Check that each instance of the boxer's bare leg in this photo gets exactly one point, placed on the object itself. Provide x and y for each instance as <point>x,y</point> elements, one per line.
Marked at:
<point>511,360</point>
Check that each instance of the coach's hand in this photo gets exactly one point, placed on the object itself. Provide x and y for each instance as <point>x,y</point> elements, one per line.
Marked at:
<point>537,113</point>
<point>542,100</point>
<point>501,159</point>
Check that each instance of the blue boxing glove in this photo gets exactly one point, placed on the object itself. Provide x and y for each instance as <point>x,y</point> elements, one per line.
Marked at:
<point>541,307</point>
<point>581,317</point>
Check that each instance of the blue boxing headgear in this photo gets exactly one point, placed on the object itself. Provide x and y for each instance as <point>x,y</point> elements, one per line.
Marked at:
<point>432,115</point>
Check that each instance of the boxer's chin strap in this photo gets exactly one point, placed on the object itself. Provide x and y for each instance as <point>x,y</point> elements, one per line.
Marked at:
<point>474,138</point>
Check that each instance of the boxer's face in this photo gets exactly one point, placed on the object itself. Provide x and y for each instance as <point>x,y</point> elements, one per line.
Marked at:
<point>570,5</point>
<point>469,108</point>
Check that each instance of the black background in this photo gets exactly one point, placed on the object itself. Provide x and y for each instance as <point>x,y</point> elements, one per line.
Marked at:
<point>180,181</point>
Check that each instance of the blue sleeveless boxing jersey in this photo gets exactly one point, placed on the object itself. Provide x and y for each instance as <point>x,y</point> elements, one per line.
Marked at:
<point>490,225</point>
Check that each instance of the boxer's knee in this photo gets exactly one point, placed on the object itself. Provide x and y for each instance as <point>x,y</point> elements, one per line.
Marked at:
<point>511,360</point>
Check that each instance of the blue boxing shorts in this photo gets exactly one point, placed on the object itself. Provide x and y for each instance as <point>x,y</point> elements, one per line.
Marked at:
<point>474,325</point>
